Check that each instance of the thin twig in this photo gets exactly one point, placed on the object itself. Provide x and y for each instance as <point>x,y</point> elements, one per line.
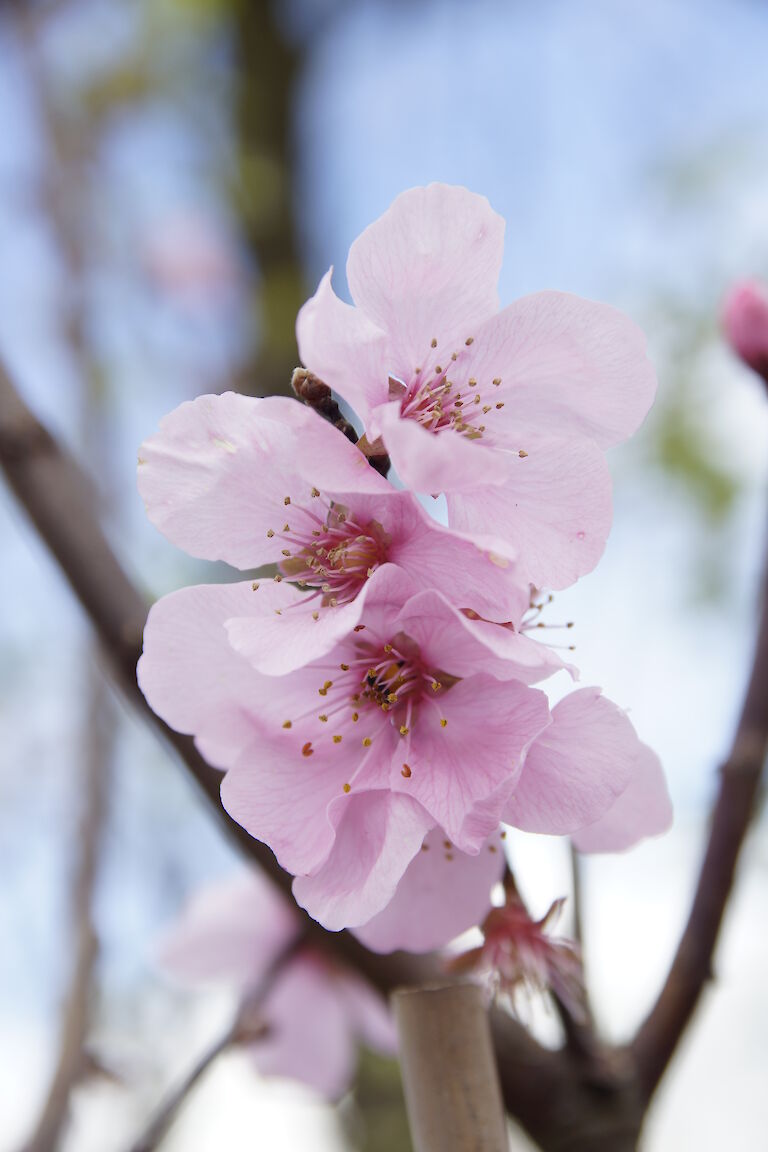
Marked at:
<point>691,968</point>
<point>70,1061</point>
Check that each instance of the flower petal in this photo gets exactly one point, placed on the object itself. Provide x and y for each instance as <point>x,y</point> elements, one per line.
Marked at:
<point>309,1035</point>
<point>216,476</point>
<point>378,835</point>
<point>442,894</point>
<point>428,268</point>
<point>231,931</point>
<point>576,769</point>
<point>555,510</point>
<point>191,676</point>
<point>344,348</point>
<point>568,367</point>
<point>433,462</point>
<point>643,809</point>
<point>457,766</point>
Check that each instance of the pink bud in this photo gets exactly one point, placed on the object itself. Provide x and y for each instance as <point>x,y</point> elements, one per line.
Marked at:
<point>745,322</point>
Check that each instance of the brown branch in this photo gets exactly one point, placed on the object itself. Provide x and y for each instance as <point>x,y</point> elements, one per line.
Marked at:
<point>691,968</point>
<point>70,1062</point>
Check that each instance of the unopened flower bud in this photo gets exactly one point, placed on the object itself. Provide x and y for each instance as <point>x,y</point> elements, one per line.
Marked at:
<point>745,322</point>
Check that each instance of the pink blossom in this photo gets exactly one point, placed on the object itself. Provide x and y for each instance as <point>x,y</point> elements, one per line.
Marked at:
<point>745,320</point>
<point>255,482</point>
<point>506,412</point>
<point>518,956</point>
<point>233,933</point>
<point>415,721</point>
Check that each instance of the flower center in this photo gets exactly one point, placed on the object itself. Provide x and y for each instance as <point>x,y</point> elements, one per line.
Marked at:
<point>389,678</point>
<point>438,403</point>
<point>331,552</point>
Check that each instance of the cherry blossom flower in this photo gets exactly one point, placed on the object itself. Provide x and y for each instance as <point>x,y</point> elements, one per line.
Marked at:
<point>315,1012</point>
<point>256,482</point>
<point>519,957</point>
<point>506,412</point>
<point>414,723</point>
<point>745,321</point>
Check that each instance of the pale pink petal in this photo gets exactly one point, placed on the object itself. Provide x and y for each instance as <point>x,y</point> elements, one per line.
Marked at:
<point>428,269</point>
<point>378,835</point>
<point>345,349</point>
<point>191,676</point>
<point>230,931</point>
<point>433,462</point>
<point>310,1034</point>
<point>568,367</point>
<point>643,809</point>
<point>216,477</point>
<point>452,642</point>
<point>442,894</point>
<point>281,633</point>
<point>576,769</point>
<point>473,756</point>
<point>555,510</point>
<point>369,1013</point>
<point>285,797</point>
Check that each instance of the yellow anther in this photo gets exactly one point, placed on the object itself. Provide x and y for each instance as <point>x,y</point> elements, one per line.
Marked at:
<point>285,551</point>
<point>307,750</point>
<point>324,718</point>
<point>500,405</point>
<point>405,771</point>
<point>355,716</point>
<point>255,586</point>
<point>469,340</point>
<point>270,532</point>
<point>367,742</point>
<point>522,453</point>
<point>315,491</point>
<point>472,382</point>
<point>404,729</point>
<point>287,500</point>
<point>347,787</point>
<point>315,615</point>
<point>278,578</point>
<point>287,724</point>
<point>337,739</point>
<point>344,667</point>
<point>433,342</point>
<point>443,722</point>
<point>436,685</point>
<point>497,380</point>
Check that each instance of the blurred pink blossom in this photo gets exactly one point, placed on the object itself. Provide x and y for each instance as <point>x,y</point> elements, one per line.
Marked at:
<point>187,255</point>
<point>233,933</point>
<point>745,322</point>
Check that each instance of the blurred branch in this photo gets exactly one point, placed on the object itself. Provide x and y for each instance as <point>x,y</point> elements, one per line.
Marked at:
<point>70,1064</point>
<point>691,968</point>
<point>247,1027</point>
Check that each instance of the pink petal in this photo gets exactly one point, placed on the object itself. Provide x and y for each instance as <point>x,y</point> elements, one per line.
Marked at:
<point>310,1033</point>
<point>378,835</point>
<point>230,931</point>
<point>569,367</point>
<point>576,769</point>
<point>643,809</point>
<point>339,344</point>
<point>555,510</point>
<point>286,798</point>
<point>216,476</point>
<point>477,755</point>
<point>191,676</point>
<point>449,640</point>
<point>433,462</point>
<point>428,268</point>
<point>443,893</point>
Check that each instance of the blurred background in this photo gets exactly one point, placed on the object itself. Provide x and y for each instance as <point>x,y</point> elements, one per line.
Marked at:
<point>175,176</point>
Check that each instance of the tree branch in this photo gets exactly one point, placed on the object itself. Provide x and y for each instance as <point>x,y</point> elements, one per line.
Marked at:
<point>691,968</point>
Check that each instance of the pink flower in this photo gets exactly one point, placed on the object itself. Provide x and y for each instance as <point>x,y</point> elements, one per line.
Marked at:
<point>518,956</point>
<point>316,1013</point>
<point>413,722</point>
<point>506,412</point>
<point>255,482</point>
<point>745,321</point>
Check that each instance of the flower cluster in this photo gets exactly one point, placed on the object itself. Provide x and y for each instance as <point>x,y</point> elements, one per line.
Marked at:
<point>373,701</point>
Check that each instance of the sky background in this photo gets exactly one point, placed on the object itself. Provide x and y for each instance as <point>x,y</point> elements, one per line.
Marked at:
<point>626,145</point>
